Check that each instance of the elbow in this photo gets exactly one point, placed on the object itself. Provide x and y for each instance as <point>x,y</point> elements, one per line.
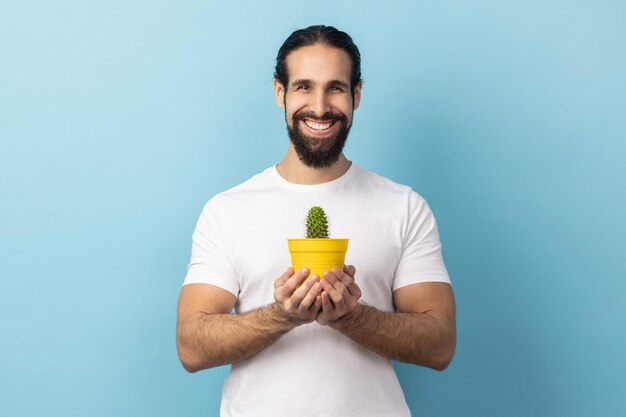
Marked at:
<point>189,367</point>
<point>187,357</point>
<point>442,364</point>
<point>446,350</point>
<point>438,361</point>
<point>192,361</point>
<point>444,359</point>
<point>441,356</point>
<point>191,364</point>
<point>187,361</point>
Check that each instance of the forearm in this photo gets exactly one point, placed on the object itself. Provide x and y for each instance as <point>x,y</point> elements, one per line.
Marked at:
<point>208,340</point>
<point>426,339</point>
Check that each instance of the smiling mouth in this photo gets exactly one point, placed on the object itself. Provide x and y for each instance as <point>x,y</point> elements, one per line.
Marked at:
<point>319,126</point>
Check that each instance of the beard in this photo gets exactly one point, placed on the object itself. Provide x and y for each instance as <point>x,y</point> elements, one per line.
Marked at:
<point>318,152</point>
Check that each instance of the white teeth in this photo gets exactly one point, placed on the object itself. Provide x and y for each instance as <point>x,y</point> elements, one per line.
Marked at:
<point>318,126</point>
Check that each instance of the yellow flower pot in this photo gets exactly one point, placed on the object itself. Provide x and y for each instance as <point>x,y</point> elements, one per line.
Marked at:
<point>318,255</point>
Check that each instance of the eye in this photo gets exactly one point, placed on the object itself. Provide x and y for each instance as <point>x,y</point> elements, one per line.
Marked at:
<point>302,87</point>
<point>336,88</point>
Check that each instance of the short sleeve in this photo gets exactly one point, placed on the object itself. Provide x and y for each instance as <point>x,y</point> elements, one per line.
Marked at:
<point>210,262</point>
<point>421,259</point>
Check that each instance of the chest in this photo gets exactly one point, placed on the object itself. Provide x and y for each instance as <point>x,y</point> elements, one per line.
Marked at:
<point>259,253</point>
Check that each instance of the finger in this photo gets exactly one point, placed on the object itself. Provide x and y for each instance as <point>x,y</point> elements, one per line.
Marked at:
<point>335,296</point>
<point>350,270</point>
<point>341,296</point>
<point>355,290</point>
<point>318,302</point>
<point>296,279</point>
<point>305,285</point>
<point>310,296</point>
<point>280,281</point>
<point>327,307</point>
<point>287,289</point>
<point>335,277</point>
<point>348,281</point>
<point>343,276</point>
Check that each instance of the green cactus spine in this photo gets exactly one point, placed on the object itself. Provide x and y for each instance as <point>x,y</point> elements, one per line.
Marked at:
<point>316,224</point>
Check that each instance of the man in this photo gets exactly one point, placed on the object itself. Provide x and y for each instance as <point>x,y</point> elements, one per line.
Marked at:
<point>323,348</point>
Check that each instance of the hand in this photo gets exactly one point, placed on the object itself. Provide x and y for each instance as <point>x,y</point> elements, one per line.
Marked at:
<point>340,294</point>
<point>300,304</point>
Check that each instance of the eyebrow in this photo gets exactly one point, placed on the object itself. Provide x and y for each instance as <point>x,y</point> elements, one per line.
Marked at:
<point>331,82</point>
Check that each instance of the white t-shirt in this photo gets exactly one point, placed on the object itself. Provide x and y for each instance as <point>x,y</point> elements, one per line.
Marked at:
<point>240,245</point>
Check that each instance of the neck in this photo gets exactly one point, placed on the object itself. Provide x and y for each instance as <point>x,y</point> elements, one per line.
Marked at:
<point>293,170</point>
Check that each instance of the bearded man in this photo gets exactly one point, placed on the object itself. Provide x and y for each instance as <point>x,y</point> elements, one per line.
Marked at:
<point>322,348</point>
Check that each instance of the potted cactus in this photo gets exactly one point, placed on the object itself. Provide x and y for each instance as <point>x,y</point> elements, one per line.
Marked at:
<point>317,251</point>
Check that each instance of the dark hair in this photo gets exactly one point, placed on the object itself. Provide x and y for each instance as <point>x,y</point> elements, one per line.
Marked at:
<point>326,35</point>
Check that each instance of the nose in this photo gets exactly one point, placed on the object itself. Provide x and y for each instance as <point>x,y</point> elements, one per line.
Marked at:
<point>321,103</point>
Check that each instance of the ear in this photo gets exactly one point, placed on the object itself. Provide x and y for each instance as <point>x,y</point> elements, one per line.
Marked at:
<point>357,95</point>
<point>279,91</point>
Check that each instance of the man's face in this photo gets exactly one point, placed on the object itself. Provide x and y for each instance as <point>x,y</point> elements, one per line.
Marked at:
<point>318,103</point>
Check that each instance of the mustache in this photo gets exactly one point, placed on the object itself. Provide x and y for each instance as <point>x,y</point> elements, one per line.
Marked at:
<point>324,117</point>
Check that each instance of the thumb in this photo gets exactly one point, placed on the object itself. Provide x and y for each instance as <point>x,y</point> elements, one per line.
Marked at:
<point>280,281</point>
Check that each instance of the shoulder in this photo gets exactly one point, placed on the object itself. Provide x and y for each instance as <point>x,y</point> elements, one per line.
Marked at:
<point>259,185</point>
<point>382,186</point>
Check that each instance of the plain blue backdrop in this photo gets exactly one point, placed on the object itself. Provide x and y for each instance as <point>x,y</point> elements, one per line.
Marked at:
<point>120,119</point>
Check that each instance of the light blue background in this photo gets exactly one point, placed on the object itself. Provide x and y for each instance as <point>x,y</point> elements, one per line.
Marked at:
<point>118,120</point>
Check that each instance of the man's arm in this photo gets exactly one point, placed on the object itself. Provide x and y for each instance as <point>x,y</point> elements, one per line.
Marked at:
<point>208,335</point>
<point>423,331</point>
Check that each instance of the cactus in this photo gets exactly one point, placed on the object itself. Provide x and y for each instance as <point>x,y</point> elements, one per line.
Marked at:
<point>316,224</point>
